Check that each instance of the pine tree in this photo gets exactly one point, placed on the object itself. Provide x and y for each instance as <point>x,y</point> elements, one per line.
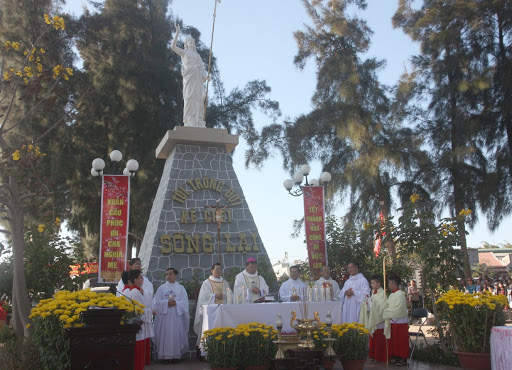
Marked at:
<point>449,82</point>
<point>351,129</point>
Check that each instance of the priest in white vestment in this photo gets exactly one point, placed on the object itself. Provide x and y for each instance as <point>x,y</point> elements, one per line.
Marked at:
<point>292,290</point>
<point>353,294</point>
<point>326,282</point>
<point>249,285</point>
<point>213,291</point>
<point>170,306</point>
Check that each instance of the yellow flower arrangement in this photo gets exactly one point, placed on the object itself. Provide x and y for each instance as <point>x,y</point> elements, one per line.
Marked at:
<point>471,317</point>
<point>225,346</point>
<point>222,346</point>
<point>51,316</point>
<point>352,340</point>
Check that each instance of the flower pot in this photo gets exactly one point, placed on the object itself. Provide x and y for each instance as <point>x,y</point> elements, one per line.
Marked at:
<point>353,364</point>
<point>476,361</point>
<point>328,364</point>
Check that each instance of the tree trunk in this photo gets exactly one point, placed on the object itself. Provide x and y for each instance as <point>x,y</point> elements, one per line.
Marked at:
<point>20,302</point>
<point>436,317</point>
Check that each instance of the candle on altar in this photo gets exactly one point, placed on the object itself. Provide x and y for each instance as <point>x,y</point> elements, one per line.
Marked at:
<point>315,293</point>
<point>328,318</point>
<point>279,321</point>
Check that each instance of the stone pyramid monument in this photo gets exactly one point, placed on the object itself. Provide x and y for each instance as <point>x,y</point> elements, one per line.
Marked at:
<point>182,232</point>
<point>199,214</point>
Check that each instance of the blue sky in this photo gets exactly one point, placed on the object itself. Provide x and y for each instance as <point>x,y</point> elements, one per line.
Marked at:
<point>254,40</point>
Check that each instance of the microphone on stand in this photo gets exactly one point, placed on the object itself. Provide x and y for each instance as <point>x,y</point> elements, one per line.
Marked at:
<point>135,319</point>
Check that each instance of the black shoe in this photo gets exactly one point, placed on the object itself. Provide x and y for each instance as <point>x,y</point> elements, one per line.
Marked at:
<point>401,362</point>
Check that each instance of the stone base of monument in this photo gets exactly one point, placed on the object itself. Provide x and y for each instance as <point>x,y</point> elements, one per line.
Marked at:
<point>183,231</point>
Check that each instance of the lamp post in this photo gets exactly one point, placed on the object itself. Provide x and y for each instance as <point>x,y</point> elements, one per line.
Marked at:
<point>301,175</point>
<point>314,215</point>
<point>115,215</point>
<point>98,165</point>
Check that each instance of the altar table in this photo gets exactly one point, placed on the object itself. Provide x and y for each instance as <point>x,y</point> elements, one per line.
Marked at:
<point>221,315</point>
<point>501,344</point>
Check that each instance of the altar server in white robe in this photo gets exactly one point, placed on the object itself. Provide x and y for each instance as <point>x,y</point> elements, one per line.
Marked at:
<point>249,285</point>
<point>212,291</point>
<point>170,306</point>
<point>292,290</point>
<point>353,294</point>
<point>326,282</point>
<point>147,287</point>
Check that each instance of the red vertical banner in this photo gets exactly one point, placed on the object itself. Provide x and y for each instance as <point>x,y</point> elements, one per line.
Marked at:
<point>314,222</point>
<point>115,200</point>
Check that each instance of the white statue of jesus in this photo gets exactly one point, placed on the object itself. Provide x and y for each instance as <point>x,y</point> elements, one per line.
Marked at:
<point>194,77</point>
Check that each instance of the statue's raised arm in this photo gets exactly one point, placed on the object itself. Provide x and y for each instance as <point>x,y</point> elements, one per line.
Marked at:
<point>194,76</point>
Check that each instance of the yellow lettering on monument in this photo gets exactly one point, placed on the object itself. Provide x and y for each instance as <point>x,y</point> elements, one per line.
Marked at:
<point>192,244</point>
<point>184,217</point>
<point>191,183</point>
<point>198,183</point>
<point>113,244</point>
<point>220,186</point>
<point>229,247</point>
<point>244,246</point>
<point>255,246</point>
<point>178,248</point>
<point>165,240</point>
<point>207,216</point>
<point>114,232</point>
<point>193,216</point>
<point>207,243</point>
<point>112,265</point>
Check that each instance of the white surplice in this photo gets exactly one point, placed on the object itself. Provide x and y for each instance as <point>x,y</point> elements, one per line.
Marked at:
<point>352,305</point>
<point>332,283</point>
<point>171,323</point>
<point>291,287</point>
<point>146,330</point>
<point>147,287</point>
<point>244,282</point>
<point>209,287</point>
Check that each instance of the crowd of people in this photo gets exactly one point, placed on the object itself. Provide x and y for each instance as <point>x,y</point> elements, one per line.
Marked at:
<point>496,285</point>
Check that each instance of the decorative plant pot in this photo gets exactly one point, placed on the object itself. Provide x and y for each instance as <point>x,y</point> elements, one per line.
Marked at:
<point>328,364</point>
<point>474,361</point>
<point>353,364</point>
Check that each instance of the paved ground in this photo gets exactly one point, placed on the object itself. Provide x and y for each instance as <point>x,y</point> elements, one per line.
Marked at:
<point>195,365</point>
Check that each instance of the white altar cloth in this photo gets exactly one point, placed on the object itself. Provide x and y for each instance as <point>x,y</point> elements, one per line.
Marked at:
<point>215,316</point>
<point>501,344</point>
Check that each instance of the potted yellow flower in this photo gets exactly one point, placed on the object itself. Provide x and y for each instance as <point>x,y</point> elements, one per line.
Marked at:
<point>52,316</point>
<point>222,347</point>
<point>257,345</point>
<point>351,344</point>
<point>470,318</point>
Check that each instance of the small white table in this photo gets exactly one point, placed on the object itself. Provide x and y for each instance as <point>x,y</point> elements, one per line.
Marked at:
<point>501,345</point>
<point>222,315</point>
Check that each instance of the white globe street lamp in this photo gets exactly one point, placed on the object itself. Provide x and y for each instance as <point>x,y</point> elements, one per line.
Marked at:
<point>302,175</point>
